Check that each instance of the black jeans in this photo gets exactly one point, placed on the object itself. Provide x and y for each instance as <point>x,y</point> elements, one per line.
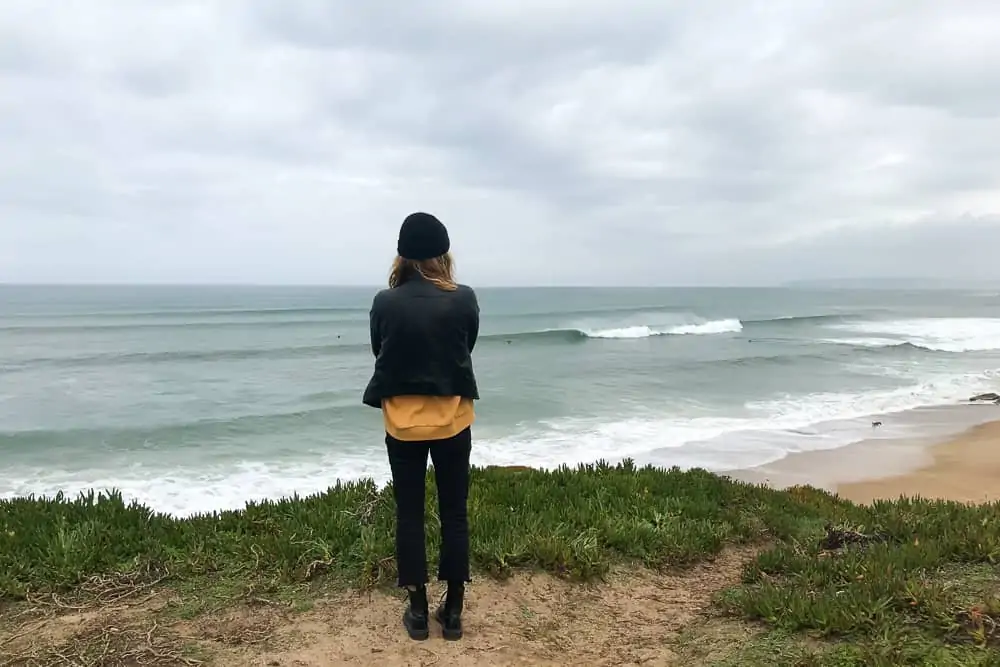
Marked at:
<point>408,461</point>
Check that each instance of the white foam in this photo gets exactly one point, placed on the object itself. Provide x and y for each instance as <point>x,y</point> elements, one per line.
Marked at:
<point>585,441</point>
<point>767,430</point>
<point>624,332</point>
<point>645,331</point>
<point>865,342</point>
<point>707,328</point>
<point>944,389</point>
<point>185,490</point>
<point>946,334</point>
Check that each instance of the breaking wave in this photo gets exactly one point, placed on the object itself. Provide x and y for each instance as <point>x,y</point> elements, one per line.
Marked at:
<point>712,327</point>
<point>940,334</point>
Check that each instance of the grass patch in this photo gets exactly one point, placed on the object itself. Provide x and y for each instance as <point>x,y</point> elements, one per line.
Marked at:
<point>737,644</point>
<point>922,591</point>
<point>573,522</point>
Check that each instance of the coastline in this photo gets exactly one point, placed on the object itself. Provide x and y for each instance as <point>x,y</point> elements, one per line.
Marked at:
<point>965,469</point>
<point>700,570</point>
<point>962,467</point>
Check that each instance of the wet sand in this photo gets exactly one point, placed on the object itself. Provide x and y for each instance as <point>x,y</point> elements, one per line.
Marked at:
<point>963,467</point>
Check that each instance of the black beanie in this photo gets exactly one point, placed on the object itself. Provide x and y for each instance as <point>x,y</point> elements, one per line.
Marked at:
<point>421,237</point>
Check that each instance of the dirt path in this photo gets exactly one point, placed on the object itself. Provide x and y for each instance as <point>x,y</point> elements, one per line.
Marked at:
<point>632,619</point>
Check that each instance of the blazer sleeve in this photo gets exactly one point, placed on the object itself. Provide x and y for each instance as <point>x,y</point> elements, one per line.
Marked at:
<point>474,322</point>
<point>375,328</point>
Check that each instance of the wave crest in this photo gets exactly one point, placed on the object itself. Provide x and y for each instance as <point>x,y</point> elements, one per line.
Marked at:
<point>936,334</point>
<point>579,334</point>
<point>643,331</point>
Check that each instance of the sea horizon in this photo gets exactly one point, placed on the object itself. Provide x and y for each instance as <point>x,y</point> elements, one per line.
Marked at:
<point>821,284</point>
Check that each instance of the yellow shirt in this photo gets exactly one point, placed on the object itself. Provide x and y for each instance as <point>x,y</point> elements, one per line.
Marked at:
<point>416,418</point>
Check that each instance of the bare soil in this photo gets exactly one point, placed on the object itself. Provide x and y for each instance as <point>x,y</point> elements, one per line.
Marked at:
<point>633,618</point>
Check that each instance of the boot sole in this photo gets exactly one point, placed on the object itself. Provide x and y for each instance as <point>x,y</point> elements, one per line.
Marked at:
<point>447,634</point>
<point>416,634</point>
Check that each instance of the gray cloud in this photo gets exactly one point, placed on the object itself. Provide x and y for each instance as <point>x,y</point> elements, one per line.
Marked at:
<point>585,142</point>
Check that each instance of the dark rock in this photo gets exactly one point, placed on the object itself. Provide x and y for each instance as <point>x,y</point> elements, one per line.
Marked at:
<point>989,396</point>
<point>837,538</point>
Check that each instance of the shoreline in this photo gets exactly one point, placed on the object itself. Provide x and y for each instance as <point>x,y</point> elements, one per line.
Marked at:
<point>964,469</point>
<point>864,469</point>
<point>961,466</point>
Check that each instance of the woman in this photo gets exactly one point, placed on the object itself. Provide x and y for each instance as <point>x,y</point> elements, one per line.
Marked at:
<point>423,330</point>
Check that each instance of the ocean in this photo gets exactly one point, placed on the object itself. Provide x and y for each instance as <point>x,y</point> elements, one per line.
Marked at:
<point>195,399</point>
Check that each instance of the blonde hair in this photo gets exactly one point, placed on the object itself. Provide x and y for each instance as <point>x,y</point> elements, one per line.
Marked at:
<point>439,271</point>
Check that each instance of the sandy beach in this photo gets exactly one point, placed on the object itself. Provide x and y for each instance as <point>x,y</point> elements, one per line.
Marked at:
<point>965,468</point>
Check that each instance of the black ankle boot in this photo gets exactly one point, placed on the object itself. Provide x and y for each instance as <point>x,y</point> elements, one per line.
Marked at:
<point>415,616</point>
<point>449,613</point>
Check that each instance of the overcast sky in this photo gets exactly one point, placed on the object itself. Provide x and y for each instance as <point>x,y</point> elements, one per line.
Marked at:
<point>584,141</point>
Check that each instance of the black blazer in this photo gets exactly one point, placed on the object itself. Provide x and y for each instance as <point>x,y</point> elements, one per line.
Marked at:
<point>422,338</point>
